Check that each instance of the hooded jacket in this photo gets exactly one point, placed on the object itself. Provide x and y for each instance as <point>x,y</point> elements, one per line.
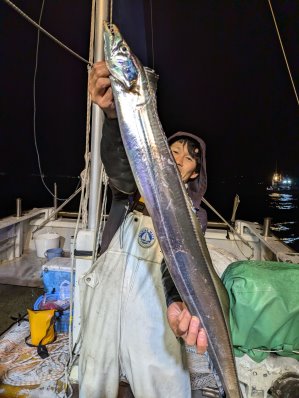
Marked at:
<point>123,187</point>
<point>196,188</point>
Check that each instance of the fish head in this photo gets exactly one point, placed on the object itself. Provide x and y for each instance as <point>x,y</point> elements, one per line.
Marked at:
<point>120,60</point>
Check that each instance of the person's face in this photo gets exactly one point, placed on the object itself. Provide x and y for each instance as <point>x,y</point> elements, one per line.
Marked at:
<point>186,164</point>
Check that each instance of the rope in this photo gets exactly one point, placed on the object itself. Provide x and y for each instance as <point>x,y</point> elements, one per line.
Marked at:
<point>34,90</point>
<point>84,201</point>
<point>111,12</point>
<point>40,28</point>
<point>85,175</point>
<point>101,218</point>
<point>56,210</point>
<point>82,211</point>
<point>34,110</point>
<point>34,104</point>
<point>152,35</point>
<point>104,205</point>
<point>284,54</point>
<point>240,250</point>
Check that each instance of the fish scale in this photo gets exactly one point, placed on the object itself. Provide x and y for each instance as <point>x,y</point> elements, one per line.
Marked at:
<point>158,180</point>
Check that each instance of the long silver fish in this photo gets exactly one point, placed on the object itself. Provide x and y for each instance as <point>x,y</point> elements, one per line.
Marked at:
<point>159,182</point>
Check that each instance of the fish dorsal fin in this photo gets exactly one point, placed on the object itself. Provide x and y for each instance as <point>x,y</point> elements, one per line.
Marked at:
<point>152,79</point>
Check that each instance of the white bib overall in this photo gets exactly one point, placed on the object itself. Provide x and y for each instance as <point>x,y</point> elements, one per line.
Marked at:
<point>124,324</point>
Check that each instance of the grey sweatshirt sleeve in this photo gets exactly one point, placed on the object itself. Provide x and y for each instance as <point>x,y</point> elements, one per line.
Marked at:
<point>121,180</point>
<point>170,290</point>
<point>115,159</point>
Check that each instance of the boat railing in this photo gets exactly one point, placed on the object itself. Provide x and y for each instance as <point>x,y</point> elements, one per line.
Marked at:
<point>18,233</point>
<point>263,244</point>
<point>270,246</point>
<point>13,230</point>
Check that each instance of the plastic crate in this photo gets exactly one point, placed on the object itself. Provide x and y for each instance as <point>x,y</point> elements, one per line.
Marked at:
<point>57,274</point>
<point>62,317</point>
<point>62,322</point>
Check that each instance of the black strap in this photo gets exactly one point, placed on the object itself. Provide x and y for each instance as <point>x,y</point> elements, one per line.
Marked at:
<point>138,205</point>
<point>41,349</point>
<point>134,201</point>
<point>18,319</point>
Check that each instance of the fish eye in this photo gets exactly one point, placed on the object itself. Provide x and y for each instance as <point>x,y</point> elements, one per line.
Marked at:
<point>124,49</point>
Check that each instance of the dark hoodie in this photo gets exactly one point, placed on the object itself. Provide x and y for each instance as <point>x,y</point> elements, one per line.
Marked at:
<point>196,188</point>
<point>123,186</point>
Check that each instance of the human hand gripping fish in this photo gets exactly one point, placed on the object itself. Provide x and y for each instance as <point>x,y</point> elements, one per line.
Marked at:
<point>186,326</point>
<point>99,87</point>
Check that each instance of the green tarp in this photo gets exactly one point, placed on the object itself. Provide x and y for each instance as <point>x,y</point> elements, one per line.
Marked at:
<point>264,308</point>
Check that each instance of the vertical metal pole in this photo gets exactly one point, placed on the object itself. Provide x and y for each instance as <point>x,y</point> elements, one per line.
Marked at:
<point>97,120</point>
<point>235,207</point>
<point>85,238</point>
<point>267,226</point>
<point>55,201</point>
<point>55,196</point>
<point>19,207</point>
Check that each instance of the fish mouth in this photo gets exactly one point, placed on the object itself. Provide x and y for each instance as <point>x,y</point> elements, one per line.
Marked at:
<point>110,28</point>
<point>112,36</point>
<point>112,32</point>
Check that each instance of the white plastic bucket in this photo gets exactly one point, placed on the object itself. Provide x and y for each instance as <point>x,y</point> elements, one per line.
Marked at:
<point>43,242</point>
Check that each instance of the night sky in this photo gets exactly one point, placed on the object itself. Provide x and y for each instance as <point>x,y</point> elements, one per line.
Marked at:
<point>222,76</point>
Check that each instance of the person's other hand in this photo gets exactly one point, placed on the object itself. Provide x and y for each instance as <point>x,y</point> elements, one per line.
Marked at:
<point>99,87</point>
<point>186,326</point>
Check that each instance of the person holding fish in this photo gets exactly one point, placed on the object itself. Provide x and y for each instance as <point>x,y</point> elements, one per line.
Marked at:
<point>135,332</point>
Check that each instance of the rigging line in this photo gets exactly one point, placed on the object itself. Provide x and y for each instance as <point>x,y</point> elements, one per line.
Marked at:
<point>152,35</point>
<point>83,201</point>
<point>284,54</point>
<point>111,12</point>
<point>56,211</point>
<point>37,25</point>
<point>34,103</point>
<point>34,106</point>
<point>224,220</point>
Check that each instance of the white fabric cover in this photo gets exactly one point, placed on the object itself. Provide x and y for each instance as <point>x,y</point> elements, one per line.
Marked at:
<point>125,330</point>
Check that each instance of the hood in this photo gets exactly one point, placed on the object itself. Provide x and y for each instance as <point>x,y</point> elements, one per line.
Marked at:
<point>198,186</point>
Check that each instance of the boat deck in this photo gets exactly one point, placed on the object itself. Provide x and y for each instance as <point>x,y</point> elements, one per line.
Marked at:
<point>23,271</point>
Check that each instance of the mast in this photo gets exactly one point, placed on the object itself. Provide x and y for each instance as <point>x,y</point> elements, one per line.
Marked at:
<point>85,239</point>
<point>97,120</point>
